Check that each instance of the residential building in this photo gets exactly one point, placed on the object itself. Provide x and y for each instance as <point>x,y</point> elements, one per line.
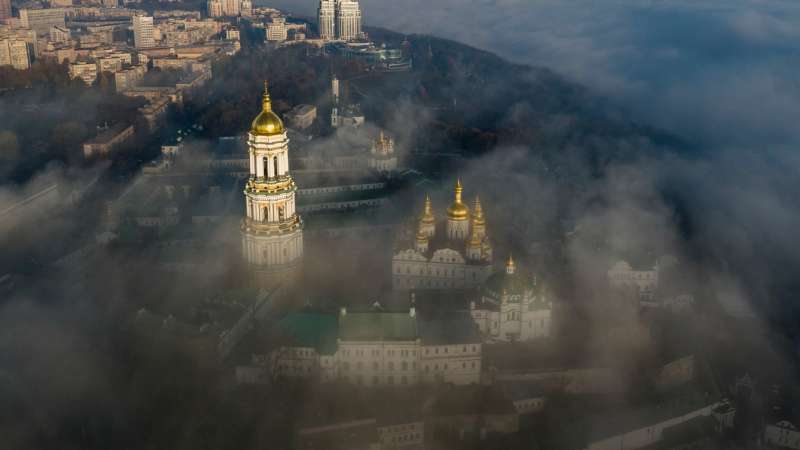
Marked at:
<point>59,34</point>
<point>246,8</point>
<point>326,15</point>
<point>128,78</point>
<point>86,71</point>
<point>14,53</point>
<point>154,110</point>
<point>41,20</point>
<point>214,8</point>
<point>348,20</point>
<point>143,32</point>
<point>5,10</point>
<point>276,30</point>
<point>104,142</point>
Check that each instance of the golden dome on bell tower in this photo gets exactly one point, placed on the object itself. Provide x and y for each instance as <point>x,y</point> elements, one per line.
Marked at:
<point>458,210</point>
<point>267,123</point>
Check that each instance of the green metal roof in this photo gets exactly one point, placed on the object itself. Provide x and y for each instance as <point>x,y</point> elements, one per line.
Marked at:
<point>312,330</point>
<point>377,326</point>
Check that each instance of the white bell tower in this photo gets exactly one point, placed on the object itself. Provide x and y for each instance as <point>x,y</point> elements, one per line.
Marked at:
<point>272,231</point>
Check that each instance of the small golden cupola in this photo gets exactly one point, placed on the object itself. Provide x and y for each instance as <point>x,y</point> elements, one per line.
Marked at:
<point>427,216</point>
<point>427,221</point>
<point>477,212</point>
<point>458,210</point>
<point>267,123</point>
<point>511,267</point>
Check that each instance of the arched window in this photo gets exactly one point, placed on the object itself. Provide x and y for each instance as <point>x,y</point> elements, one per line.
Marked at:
<point>264,165</point>
<point>265,218</point>
<point>275,165</point>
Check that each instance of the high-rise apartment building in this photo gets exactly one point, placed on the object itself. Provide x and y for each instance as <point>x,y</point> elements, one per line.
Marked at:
<point>214,8</point>
<point>229,8</point>
<point>143,32</point>
<point>327,19</point>
<point>5,10</point>
<point>339,19</point>
<point>14,53</point>
<point>348,19</point>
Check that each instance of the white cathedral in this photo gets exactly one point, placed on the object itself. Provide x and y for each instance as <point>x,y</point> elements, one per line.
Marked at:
<point>382,158</point>
<point>513,307</point>
<point>272,231</point>
<point>455,254</point>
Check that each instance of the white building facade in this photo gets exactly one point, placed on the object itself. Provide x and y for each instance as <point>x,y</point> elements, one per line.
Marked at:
<point>513,307</point>
<point>382,348</point>
<point>339,19</point>
<point>326,16</point>
<point>348,20</point>
<point>143,34</point>
<point>622,275</point>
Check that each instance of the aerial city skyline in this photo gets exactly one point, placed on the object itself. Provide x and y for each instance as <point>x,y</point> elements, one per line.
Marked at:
<point>332,224</point>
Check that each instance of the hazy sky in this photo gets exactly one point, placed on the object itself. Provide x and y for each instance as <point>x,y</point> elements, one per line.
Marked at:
<point>720,70</point>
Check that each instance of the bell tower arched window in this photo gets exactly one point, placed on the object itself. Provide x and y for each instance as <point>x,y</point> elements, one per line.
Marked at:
<point>275,164</point>
<point>264,165</point>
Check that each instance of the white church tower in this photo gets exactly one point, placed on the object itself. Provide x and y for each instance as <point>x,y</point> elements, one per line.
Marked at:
<point>272,231</point>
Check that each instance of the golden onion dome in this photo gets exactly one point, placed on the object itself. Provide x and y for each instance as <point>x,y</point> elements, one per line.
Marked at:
<point>267,123</point>
<point>427,216</point>
<point>458,210</point>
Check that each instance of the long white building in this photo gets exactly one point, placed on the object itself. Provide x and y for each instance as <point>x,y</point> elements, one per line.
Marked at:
<point>377,347</point>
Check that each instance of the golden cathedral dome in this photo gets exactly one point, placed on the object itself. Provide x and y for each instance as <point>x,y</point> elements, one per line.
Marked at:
<point>458,210</point>
<point>267,123</point>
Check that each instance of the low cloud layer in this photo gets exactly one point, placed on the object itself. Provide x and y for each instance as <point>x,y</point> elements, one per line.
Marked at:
<point>719,72</point>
